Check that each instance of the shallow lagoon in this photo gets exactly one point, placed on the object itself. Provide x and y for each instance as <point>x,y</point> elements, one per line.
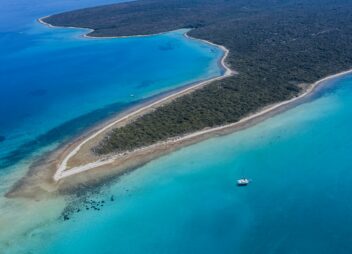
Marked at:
<point>55,83</point>
<point>187,202</point>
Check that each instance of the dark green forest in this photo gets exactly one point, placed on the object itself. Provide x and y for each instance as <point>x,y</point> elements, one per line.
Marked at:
<point>274,45</point>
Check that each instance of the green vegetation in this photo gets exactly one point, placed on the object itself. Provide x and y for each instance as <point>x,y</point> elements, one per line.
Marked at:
<point>274,45</point>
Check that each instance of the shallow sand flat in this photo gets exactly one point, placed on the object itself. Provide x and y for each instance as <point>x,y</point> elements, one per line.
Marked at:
<point>74,163</point>
<point>46,167</point>
<point>39,181</point>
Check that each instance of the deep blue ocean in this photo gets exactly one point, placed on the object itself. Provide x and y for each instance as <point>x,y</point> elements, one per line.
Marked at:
<point>54,83</point>
<point>186,202</point>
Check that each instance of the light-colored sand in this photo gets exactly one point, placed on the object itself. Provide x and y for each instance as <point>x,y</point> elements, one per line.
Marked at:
<point>63,171</point>
<point>68,162</point>
<point>63,166</point>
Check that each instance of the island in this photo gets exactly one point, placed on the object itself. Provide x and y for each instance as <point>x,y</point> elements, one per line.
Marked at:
<point>280,51</point>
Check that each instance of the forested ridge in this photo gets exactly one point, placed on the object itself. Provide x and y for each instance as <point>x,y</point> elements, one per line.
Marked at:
<point>274,45</point>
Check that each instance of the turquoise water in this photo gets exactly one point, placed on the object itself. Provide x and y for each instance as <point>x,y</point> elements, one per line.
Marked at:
<point>188,202</point>
<point>185,202</point>
<point>54,83</point>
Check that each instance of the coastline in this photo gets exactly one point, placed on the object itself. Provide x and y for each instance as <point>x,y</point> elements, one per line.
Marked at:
<point>48,163</point>
<point>64,172</point>
<point>86,35</point>
<point>138,112</point>
<point>120,163</point>
<point>61,171</point>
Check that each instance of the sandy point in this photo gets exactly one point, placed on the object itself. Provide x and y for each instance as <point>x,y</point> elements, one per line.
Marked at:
<point>74,164</point>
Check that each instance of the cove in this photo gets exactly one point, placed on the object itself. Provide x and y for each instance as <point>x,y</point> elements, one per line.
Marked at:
<point>55,83</point>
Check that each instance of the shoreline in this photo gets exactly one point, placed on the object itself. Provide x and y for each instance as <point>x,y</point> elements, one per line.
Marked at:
<point>188,88</point>
<point>262,114</point>
<point>119,164</point>
<point>49,163</point>
<point>90,30</point>
<point>138,112</point>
